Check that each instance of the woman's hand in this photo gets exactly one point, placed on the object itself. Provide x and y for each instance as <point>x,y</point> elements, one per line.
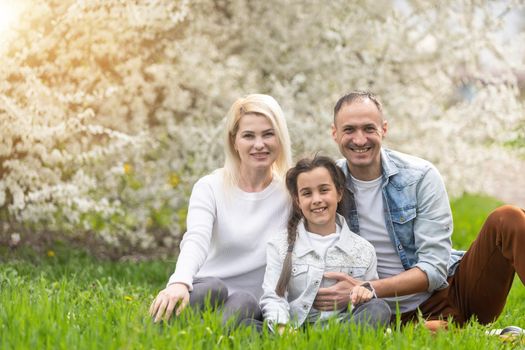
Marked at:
<point>174,297</point>
<point>360,294</point>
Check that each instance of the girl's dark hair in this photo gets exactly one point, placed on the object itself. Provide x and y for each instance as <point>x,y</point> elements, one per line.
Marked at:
<point>303,166</point>
<point>354,96</point>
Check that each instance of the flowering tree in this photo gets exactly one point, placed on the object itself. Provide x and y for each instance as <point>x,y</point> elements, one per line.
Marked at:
<point>447,79</point>
<point>105,111</point>
<point>110,110</point>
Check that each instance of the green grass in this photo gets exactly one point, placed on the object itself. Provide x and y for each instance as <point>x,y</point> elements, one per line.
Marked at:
<point>69,300</point>
<point>470,213</point>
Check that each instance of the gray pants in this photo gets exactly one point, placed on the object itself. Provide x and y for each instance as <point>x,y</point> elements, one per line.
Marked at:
<point>235,307</point>
<point>374,313</point>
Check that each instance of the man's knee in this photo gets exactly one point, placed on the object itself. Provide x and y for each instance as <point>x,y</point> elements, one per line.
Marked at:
<point>507,212</point>
<point>507,216</point>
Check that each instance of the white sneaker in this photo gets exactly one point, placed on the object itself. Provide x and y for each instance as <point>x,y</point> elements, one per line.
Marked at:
<point>510,330</point>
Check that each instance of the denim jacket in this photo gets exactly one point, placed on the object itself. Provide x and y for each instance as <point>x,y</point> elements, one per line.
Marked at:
<point>417,215</point>
<point>351,254</point>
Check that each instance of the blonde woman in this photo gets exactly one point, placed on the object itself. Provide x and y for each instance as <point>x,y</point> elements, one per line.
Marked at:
<point>231,214</point>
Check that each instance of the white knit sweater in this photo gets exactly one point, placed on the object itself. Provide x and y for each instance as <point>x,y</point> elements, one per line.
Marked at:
<point>227,233</point>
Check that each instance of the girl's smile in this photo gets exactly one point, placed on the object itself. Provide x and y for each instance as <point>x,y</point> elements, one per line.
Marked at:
<point>317,199</point>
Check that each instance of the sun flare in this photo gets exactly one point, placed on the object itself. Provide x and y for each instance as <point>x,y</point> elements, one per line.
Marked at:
<point>9,12</point>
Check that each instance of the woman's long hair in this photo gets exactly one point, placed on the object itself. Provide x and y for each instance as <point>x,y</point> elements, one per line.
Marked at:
<point>255,104</point>
<point>303,166</point>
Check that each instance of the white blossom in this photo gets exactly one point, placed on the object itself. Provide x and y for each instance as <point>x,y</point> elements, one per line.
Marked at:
<point>111,110</point>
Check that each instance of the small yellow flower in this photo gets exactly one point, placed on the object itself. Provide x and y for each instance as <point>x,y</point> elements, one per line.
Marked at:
<point>128,298</point>
<point>128,168</point>
<point>50,253</point>
<point>174,180</point>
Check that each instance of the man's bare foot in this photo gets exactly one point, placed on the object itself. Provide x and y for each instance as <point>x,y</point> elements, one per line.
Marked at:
<point>436,325</point>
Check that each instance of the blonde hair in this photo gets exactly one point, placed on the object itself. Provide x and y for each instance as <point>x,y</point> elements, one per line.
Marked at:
<point>268,107</point>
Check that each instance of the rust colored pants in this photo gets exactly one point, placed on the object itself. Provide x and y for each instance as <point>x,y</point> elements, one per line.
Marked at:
<point>484,276</point>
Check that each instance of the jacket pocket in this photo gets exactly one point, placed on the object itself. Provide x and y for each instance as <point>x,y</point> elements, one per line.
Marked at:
<point>403,221</point>
<point>357,272</point>
<point>354,271</point>
<point>403,215</point>
<point>298,280</point>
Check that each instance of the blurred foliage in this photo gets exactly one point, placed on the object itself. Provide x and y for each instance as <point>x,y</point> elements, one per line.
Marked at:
<point>470,212</point>
<point>110,111</point>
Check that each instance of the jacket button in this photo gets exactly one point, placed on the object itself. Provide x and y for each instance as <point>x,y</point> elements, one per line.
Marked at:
<point>305,306</point>
<point>316,283</point>
<point>402,219</point>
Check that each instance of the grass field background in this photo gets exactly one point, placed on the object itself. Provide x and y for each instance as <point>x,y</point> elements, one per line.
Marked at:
<point>65,299</point>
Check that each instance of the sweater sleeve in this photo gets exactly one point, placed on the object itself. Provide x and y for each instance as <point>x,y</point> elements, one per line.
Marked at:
<point>196,241</point>
<point>275,309</point>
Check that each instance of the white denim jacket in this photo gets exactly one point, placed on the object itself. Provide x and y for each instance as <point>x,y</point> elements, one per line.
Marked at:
<point>351,254</point>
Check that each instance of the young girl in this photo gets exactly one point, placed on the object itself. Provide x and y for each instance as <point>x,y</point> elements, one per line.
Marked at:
<point>317,240</point>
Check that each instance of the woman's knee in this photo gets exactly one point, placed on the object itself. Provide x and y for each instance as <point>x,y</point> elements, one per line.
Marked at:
<point>210,289</point>
<point>244,300</point>
<point>240,306</point>
<point>218,291</point>
<point>243,303</point>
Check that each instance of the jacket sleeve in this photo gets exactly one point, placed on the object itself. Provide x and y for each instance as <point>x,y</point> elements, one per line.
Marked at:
<point>433,229</point>
<point>275,309</point>
<point>196,241</point>
<point>371,271</point>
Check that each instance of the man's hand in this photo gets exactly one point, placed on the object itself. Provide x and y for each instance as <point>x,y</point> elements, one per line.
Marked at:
<point>337,296</point>
<point>175,297</point>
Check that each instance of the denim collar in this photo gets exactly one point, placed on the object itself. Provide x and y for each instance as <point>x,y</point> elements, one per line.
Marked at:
<point>388,169</point>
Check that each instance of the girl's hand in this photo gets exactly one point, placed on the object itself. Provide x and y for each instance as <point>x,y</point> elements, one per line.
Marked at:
<point>360,294</point>
<point>175,297</point>
<point>284,328</point>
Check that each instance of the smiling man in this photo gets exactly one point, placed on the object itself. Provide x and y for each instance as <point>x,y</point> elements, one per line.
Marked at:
<point>399,204</point>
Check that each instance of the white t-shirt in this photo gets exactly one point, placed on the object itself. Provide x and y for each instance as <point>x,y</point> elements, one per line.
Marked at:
<point>372,227</point>
<point>321,245</point>
<point>227,232</point>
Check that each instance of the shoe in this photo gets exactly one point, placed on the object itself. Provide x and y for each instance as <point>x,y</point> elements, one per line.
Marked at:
<point>509,334</point>
<point>512,330</point>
